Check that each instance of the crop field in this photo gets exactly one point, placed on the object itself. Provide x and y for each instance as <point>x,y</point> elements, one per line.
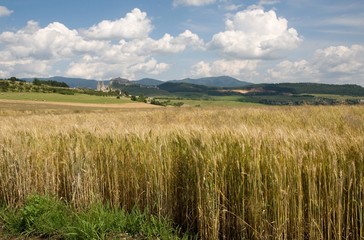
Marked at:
<point>222,173</point>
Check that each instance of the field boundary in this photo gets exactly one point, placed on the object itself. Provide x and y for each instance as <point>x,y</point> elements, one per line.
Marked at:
<point>91,105</point>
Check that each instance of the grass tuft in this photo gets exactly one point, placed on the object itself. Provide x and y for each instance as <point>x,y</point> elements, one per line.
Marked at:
<point>47,217</point>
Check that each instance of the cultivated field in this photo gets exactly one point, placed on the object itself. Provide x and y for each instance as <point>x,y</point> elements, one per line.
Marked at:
<point>235,173</point>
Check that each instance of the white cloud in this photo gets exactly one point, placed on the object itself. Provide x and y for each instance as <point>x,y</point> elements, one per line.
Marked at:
<point>27,67</point>
<point>165,45</point>
<point>255,33</point>
<point>134,25</point>
<point>243,69</point>
<point>268,2</point>
<point>231,7</point>
<point>341,59</point>
<point>94,68</point>
<point>169,44</point>
<point>4,74</point>
<point>335,64</point>
<point>32,51</point>
<point>53,41</point>
<point>56,49</point>
<point>4,11</point>
<point>192,2</point>
<point>299,71</point>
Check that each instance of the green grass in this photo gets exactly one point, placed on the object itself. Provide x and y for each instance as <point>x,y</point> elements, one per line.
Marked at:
<point>216,101</point>
<point>340,97</point>
<point>213,103</point>
<point>46,217</point>
<point>55,97</point>
<point>228,98</point>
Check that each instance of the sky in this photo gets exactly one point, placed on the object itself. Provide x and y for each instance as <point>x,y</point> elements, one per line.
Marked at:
<point>252,40</point>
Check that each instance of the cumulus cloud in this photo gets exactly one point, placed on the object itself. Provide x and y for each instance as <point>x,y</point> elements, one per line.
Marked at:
<point>4,74</point>
<point>341,59</point>
<point>336,64</point>
<point>52,41</point>
<point>192,2</point>
<point>170,44</point>
<point>254,33</point>
<point>4,11</point>
<point>166,45</point>
<point>287,71</point>
<point>44,51</point>
<point>34,51</point>
<point>129,58</point>
<point>135,24</point>
<point>112,64</point>
<point>244,69</point>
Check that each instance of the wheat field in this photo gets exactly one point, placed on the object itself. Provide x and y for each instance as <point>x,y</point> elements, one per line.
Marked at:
<point>236,173</point>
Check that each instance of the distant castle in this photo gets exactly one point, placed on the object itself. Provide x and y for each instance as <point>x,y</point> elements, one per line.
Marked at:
<point>102,87</point>
<point>117,84</point>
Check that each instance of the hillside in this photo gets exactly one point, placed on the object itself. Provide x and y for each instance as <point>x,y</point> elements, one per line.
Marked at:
<point>315,88</point>
<point>175,87</point>
<point>149,82</point>
<point>222,81</point>
<point>71,82</point>
<point>46,86</point>
<point>267,93</point>
<point>265,89</point>
<point>307,88</point>
<point>274,94</point>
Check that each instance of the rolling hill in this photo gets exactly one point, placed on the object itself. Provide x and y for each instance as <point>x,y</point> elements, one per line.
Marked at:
<point>222,81</point>
<point>71,82</point>
<point>149,82</point>
<point>217,85</point>
<point>308,88</point>
<point>175,87</point>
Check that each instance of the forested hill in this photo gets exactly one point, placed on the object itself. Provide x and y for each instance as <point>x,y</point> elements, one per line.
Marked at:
<point>225,83</point>
<point>222,81</point>
<point>311,88</point>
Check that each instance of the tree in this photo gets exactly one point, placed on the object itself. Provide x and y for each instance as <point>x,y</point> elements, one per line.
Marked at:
<point>37,82</point>
<point>13,79</point>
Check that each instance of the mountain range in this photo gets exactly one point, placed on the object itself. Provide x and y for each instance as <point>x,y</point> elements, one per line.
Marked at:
<point>222,81</point>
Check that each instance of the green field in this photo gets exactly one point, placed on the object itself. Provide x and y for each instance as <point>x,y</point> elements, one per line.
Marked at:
<point>55,97</point>
<point>337,96</point>
<point>225,101</point>
<point>209,101</point>
<point>214,103</point>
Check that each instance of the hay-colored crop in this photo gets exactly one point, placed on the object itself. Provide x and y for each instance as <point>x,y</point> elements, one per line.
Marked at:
<point>240,173</point>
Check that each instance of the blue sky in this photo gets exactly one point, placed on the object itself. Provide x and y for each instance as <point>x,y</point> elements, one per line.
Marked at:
<point>256,41</point>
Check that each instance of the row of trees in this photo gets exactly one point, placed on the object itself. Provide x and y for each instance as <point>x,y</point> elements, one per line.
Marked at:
<point>52,83</point>
<point>154,101</point>
<point>314,101</point>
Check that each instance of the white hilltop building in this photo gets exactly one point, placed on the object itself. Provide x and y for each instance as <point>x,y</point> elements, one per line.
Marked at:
<point>102,87</point>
